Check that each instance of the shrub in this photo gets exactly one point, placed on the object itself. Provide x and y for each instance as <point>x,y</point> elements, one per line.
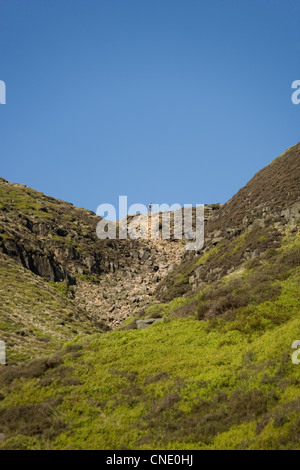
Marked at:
<point>29,370</point>
<point>31,420</point>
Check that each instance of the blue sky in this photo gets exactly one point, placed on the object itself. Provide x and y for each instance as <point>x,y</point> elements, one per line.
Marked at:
<point>160,100</point>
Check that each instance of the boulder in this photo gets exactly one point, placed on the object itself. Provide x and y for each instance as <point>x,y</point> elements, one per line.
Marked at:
<point>143,324</point>
<point>2,353</point>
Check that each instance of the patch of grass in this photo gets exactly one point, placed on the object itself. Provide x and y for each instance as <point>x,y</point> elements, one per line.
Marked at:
<point>174,385</point>
<point>35,313</point>
<point>87,278</point>
<point>65,240</point>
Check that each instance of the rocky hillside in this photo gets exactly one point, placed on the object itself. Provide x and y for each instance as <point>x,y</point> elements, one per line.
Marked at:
<point>55,270</point>
<point>110,279</point>
<point>246,227</point>
<point>138,344</point>
<point>54,239</point>
<point>127,292</point>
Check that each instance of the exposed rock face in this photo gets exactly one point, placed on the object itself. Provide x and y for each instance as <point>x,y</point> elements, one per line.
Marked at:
<point>58,241</point>
<point>2,353</point>
<point>121,293</point>
<point>54,239</point>
<point>124,292</point>
<point>143,324</point>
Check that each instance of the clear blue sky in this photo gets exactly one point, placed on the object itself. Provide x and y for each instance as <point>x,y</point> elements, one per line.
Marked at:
<point>161,100</point>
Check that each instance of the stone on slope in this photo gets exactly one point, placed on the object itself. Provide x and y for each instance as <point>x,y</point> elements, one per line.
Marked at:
<point>2,353</point>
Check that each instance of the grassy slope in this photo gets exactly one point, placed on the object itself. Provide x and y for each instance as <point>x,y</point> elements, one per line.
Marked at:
<point>249,223</point>
<point>36,317</point>
<point>182,383</point>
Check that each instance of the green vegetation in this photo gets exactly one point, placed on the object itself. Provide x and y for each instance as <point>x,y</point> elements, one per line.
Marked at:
<point>172,386</point>
<point>64,240</point>
<point>224,382</point>
<point>25,200</point>
<point>164,309</point>
<point>87,278</point>
<point>35,314</point>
